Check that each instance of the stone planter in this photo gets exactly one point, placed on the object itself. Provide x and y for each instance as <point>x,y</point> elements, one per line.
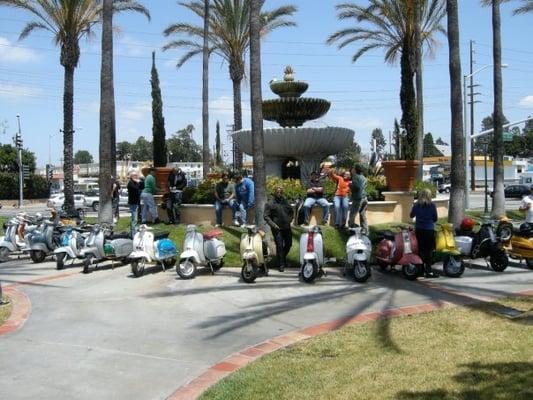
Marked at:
<point>400,174</point>
<point>161,178</point>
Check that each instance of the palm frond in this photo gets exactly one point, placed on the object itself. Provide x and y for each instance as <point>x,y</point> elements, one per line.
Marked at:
<point>30,27</point>
<point>527,7</point>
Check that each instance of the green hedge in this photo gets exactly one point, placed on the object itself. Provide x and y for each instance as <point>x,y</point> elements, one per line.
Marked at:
<point>34,188</point>
<point>419,185</point>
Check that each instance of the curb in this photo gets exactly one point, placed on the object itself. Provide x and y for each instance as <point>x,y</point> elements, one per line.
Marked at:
<point>20,312</point>
<point>41,279</point>
<point>236,361</point>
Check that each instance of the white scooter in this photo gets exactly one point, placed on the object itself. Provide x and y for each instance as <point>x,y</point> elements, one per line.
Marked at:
<point>255,254</point>
<point>13,240</point>
<point>149,248</point>
<point>71,245</point>
<point>311,254</point>
<point>358,249</point>
<point>200,251</point>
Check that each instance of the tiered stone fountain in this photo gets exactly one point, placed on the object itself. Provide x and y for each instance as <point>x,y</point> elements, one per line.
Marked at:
<point>293,144</point>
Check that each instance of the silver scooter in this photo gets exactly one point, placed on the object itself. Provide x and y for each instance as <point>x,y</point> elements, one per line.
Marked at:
<point>149,248</point>
<point>311,254</point>
<point>255,254</point>
<point>71,245</point>
<point>358,249</point>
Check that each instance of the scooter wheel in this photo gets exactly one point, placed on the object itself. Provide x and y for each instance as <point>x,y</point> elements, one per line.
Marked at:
<point>60,261</point>
<point>529,263</point>
<point>309,271</point>
<point>86,264</point>
<point>137,267</point>
<point>453,267</point>
<point>4,254</point>
<point>411,271</point>
<point>186,269</point>
<point>37,256</point>
<point>499,261</point>
<point>361,271</point>
<point>218,265</point>
<point>249,272</point>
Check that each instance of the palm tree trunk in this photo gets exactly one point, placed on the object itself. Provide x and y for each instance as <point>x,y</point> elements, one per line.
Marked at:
<point>257,111</point>
<point>419,93</point>
<point>458,178</point>
<point>205,92</point>
<point>498,202</point>
<point>408,99</point>
<point>107,115</point>
<point>237,120</point>
<point>68,138</point>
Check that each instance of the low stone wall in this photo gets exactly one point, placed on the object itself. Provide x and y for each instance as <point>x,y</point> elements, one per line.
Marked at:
<point>378,212</point>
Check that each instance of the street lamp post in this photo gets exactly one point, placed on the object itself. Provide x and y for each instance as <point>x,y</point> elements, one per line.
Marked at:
<point>18,143</point>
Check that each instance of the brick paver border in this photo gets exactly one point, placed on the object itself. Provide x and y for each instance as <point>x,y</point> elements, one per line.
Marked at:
<point>21,309</point>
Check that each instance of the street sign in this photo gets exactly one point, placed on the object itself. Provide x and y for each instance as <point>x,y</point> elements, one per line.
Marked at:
<point>507,137</point>
<point>26,171</point>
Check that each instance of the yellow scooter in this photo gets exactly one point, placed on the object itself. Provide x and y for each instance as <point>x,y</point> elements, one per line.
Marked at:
<point>453,264</point>
<point>520,243</point>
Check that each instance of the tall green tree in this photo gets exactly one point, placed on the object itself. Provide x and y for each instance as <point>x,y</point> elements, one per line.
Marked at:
<point>218,152</point>
<point>391,25</point>
<point>124,150</point>
<point>429,147</point>
<point>83,157</point>
<point>9,161</point>
<point>377,135</point>
<point>158,121</point>
<point>458,174</point>
<point>349,156</point>
<point>142,150</point>
<point>183,148</point>
<point>396,133</point>
<point>229,38</point>
<point>256,100</point>
<point>68,22</point>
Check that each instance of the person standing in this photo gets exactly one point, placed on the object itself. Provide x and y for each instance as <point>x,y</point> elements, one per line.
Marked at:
<point>177,181</point>
<point>278,215</point>
<point>527,206</point>
<point>224,197</point>
<point>149,208</point>
<point>340,201</point>
<point>135,187</point>
<point>359,199</point>
<point>115,196</point>
<point>245,196</point>
<point>425,212</point>
<point>315,195</point>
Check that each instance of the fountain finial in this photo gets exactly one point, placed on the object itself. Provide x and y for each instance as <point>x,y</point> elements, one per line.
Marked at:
<point>289,74</point>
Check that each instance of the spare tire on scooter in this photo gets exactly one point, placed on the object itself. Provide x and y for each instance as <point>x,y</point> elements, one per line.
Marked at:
<point>453,266</point>
<point>309,271</point>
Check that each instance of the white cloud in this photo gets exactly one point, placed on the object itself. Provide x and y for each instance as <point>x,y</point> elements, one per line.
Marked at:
<point>15,91</point>
<point>13,53</point>
<point>358,124</point>
<point>133,47</point>
<point>137,112</point>
<point>223,106</point>
<point>526,102</point>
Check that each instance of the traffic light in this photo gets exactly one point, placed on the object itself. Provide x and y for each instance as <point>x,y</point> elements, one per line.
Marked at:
<point>49,172</point>
<point>18,141</point>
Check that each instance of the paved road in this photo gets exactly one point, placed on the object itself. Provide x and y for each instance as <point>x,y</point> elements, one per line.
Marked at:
<point>107,335</point>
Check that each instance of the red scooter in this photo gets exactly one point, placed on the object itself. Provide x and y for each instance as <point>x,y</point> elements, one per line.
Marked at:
<point>399,248</point>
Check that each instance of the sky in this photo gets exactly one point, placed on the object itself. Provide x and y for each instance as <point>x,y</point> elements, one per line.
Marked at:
<point>364,95</point>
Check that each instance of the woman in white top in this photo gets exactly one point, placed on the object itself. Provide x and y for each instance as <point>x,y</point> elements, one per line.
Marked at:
<point>527,206</point>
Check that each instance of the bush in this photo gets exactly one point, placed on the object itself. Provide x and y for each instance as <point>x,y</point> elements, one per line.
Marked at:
<point>375,186</point>
<point>419,185</point>
<point>204,193</point>
<point>292,188</point>
<point>34,188</point>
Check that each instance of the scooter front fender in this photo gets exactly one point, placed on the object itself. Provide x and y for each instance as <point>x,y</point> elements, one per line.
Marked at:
<point>139,254</point>
<point>310,257</point>
<point>190,254</point>
<point>65,249</point>
<point>410,258</point>
<point>39,247</point>
<point>89,251</point>
<point>7,245</point>
<point>249,255</point>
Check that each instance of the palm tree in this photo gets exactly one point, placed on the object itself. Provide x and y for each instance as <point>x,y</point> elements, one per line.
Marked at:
<point>498,201</point>
<point>257,111</point>
<point>205,91</point>
<point>527,7</point>
<point>68,21</point>
<point>391,25</point>
<point>458,178</point>
<point>229,27</point>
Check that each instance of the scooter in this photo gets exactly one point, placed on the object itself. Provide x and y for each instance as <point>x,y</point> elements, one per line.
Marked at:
<point>311,254</point>
<point>72,242</point>
<point>358,249</point>
<point>15,231</point>
<point>200,250</point>
<point>399,248</point>
<point>102,245</point>
<point>453,264</point>
<point>519,243</point>
<point>43,241</point>
<point>486,243</point>
<point>149,248</point>
<point>255,254</point>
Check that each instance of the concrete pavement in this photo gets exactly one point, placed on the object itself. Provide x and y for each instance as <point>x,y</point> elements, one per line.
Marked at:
<point>107,335</point>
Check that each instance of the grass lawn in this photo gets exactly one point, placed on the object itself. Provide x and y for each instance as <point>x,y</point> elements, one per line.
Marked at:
<point>454,353</point>
<point>5,311</point>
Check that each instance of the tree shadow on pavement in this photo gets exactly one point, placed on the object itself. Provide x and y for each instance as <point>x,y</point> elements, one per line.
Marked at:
<point>512,380</point>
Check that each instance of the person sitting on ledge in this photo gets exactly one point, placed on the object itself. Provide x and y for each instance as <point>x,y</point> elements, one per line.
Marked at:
<point>225,197</point>
<point>315,195</point>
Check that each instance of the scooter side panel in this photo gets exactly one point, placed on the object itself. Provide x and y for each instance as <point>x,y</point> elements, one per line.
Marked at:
<point>65,249</point>
<point>410,258</point>
<point>7,245</point>
<point>140,254</point>
<point>190,254</point>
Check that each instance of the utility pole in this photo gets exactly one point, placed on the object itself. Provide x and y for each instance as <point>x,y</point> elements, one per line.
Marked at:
<point>472,128</point>
<point>18,145</point>
<point>229,131</point>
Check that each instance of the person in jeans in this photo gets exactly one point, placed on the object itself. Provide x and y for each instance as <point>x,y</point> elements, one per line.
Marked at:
<point>245,196</point>
<point>224,197</point>
<point>359,199</point>
<point>177,181</point>
<point>278,215</point>
<point>135,187</point>
<point>527,206</point>
<point>315,195</point>
<point>340,201</point>
<point>115,198</point>
<point>425,212</point>
<point>149,208</point>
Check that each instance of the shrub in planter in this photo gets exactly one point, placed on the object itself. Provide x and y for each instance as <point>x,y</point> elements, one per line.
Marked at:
<point>292,188</point>
<point>205,192</point>
<point>375,186</point>
<point>419,185</point>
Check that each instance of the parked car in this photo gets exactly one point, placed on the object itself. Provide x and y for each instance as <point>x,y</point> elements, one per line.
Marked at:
<point>445,187</point>
<point>56,201</point>
<point>123,198</point>
<point>515,191</point>
<point>92,200</point>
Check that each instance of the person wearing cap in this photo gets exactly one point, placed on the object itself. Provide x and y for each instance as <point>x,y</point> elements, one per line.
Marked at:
<point>177,181</point>
<point>149,208</point>
<point>134,187</point>
<point>315,195</point>
<point>527,206</point>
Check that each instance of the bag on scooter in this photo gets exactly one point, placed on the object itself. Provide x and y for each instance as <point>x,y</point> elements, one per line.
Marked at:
<point>166,248</point>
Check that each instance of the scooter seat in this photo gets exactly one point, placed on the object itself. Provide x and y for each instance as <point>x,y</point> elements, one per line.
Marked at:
<point>162,235</point>
<point>121,235</point>
<point>388,235</point>
<point>213,233</point>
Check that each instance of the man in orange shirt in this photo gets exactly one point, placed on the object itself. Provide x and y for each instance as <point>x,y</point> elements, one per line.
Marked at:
<point>341,200</point>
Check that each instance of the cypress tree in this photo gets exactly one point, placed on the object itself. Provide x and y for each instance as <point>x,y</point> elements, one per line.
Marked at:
<point>218,156</point>
<point>158,121</point>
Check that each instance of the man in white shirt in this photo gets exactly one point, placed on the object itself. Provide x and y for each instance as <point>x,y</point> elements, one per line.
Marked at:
<point>527,206</point>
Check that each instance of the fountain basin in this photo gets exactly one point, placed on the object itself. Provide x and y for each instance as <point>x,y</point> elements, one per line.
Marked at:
<point>294,111</point>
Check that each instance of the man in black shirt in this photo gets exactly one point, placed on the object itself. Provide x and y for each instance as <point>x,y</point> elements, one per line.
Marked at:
<point>135,187</point>
<point>315,194</point>
<point>177,181</point>
<point>278,214</point>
